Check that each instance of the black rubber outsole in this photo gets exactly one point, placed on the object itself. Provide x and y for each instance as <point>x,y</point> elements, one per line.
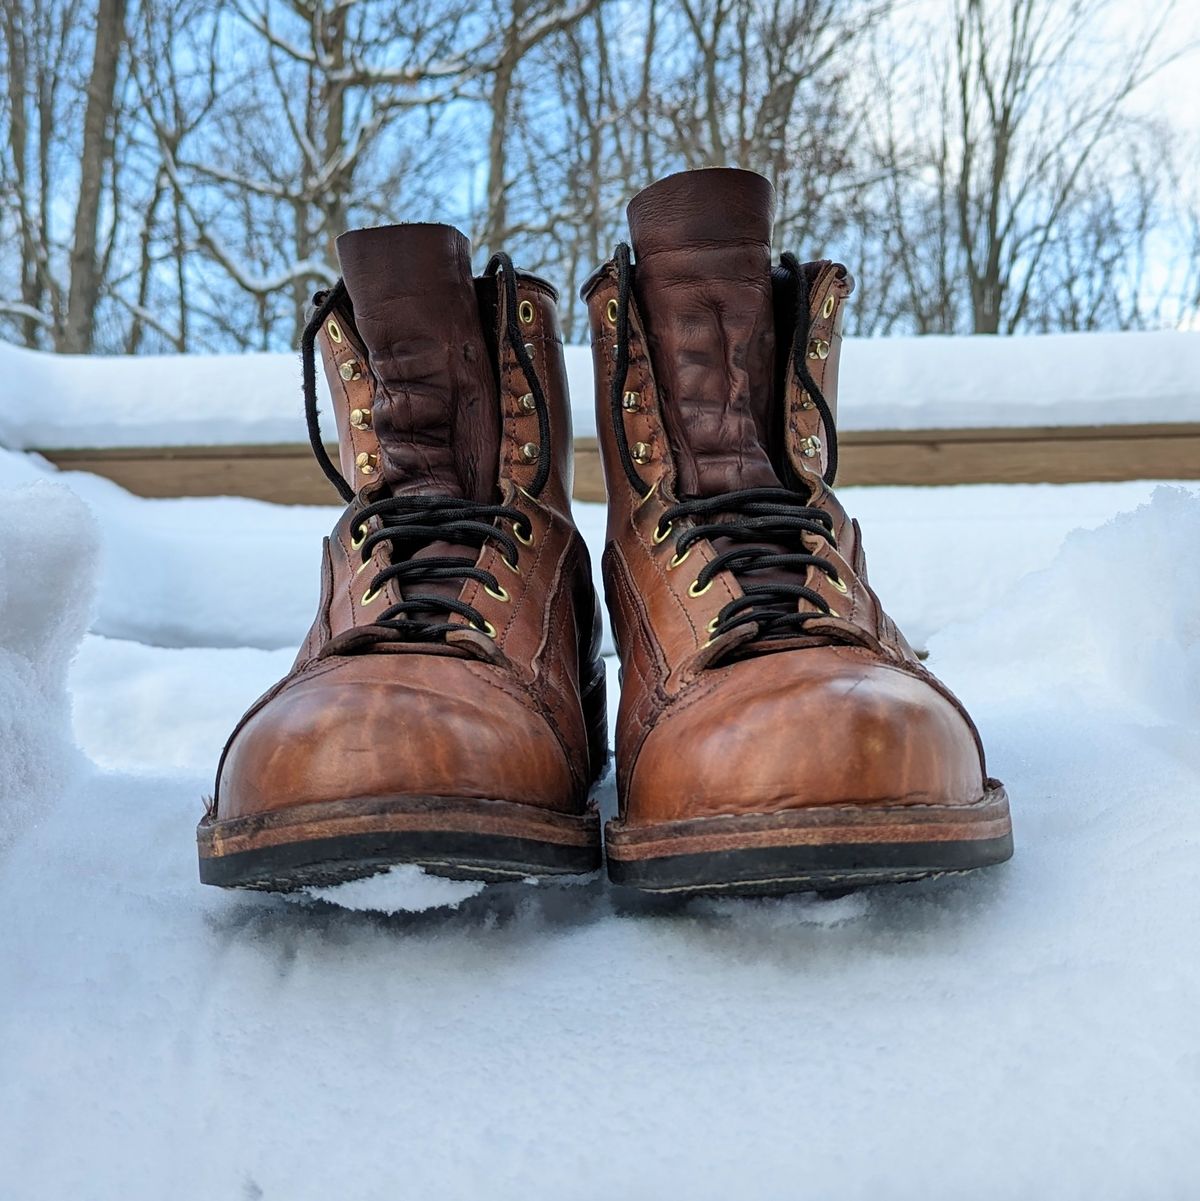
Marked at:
<point>321,862</point>
<point>772,871</point>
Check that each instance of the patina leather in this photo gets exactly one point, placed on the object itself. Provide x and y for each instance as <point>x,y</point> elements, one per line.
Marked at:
<point>435,411</point>
<point>842,713</point>
<point>703,287</point>
<point>509,711</point>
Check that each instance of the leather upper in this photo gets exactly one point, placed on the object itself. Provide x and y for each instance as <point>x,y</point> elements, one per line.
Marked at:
<point>724,724</point>
<point>703,287</point>
<point>513,710</point>
<point>434,409</point>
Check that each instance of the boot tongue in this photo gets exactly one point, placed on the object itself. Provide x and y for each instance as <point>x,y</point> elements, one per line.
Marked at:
<point>703,287</point>
<point>435,411</point>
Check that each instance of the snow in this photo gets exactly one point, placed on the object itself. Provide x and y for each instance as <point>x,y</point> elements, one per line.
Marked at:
<point>886,383</point>
<point>1029,1030</point>
<point>47,564</point>
<point>402,889</point>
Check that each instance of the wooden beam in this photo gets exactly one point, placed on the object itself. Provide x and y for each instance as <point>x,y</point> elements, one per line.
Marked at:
<point>287,474</point>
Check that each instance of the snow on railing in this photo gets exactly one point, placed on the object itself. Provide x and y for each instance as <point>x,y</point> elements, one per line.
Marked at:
<point>54,401</point>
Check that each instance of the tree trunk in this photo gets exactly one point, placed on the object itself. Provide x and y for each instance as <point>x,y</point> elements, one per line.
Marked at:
<point>496,228</point>
<point>78,330</point>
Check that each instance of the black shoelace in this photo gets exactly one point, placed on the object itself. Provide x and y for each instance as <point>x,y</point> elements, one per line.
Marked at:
<point>409,523</point>
<point>778,515</point>
<point>748,515</point>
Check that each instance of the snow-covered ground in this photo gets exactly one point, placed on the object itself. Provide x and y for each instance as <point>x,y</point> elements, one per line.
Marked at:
<point>886,383</point>
<point>1030,1031</point>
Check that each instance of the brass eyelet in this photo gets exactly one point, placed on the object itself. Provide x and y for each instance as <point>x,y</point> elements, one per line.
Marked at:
<point>610,312</point>
<point>368,596</point>
<point>693,590</point>
<point>525,312</point>
<point>515,568</point>
<point>500,594</point>
<point>487,628</point>
<point>333,330</point>
<point>653,490</point>
<point>355,543</point>
<point>839,584</point>
<point>828,307</point>
<point>524,541</point>
<point>677,559</point>
<point>833,612</point>
<point>363,566</point>
<point>661,535</point>
<point>712,626</point>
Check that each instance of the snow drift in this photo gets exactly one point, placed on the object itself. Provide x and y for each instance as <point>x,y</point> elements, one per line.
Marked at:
<point>47,569</point>
<point>1114,620</point>
<point>1032,1030</point>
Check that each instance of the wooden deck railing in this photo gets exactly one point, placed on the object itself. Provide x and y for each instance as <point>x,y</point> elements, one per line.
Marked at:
<point>287,474</point>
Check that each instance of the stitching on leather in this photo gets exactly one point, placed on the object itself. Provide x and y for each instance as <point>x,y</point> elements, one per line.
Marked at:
<point>851,807</point>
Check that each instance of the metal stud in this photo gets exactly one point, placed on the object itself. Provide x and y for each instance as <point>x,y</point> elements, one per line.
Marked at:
<point>525,312</point>
<point>367,464</point>
<point>360,419</point>
<point>529,349</point>
<point>640,452</point>
<point>528,403</point>
<point>631,402</point>
<point>806,401</point>
<point>810,447</point>
<point>818,348</point>
<point>350,370</point>
<point>828,307</point>
<point>529,452</point>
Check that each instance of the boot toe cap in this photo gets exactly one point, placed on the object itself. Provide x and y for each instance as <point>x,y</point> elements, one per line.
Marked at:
<point>368,726</point>
<point>821,726</point>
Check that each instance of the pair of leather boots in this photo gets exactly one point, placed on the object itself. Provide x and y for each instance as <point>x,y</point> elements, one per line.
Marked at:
<point>775,732</point>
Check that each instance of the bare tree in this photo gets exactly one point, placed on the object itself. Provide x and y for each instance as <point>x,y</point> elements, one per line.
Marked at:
<point>79,322</point>
<point>174,176</point>
<point>1031,117</point>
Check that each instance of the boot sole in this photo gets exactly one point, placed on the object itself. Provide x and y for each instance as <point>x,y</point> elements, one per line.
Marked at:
<point>822,848</point>
<point>331,842</point>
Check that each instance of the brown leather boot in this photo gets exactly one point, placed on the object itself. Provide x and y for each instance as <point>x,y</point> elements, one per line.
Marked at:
<point>776,732</point>
<point>447,706</point>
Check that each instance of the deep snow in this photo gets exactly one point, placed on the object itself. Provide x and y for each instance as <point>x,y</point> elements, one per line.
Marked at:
<point>886,383</point>
<point>1029,1031</point>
